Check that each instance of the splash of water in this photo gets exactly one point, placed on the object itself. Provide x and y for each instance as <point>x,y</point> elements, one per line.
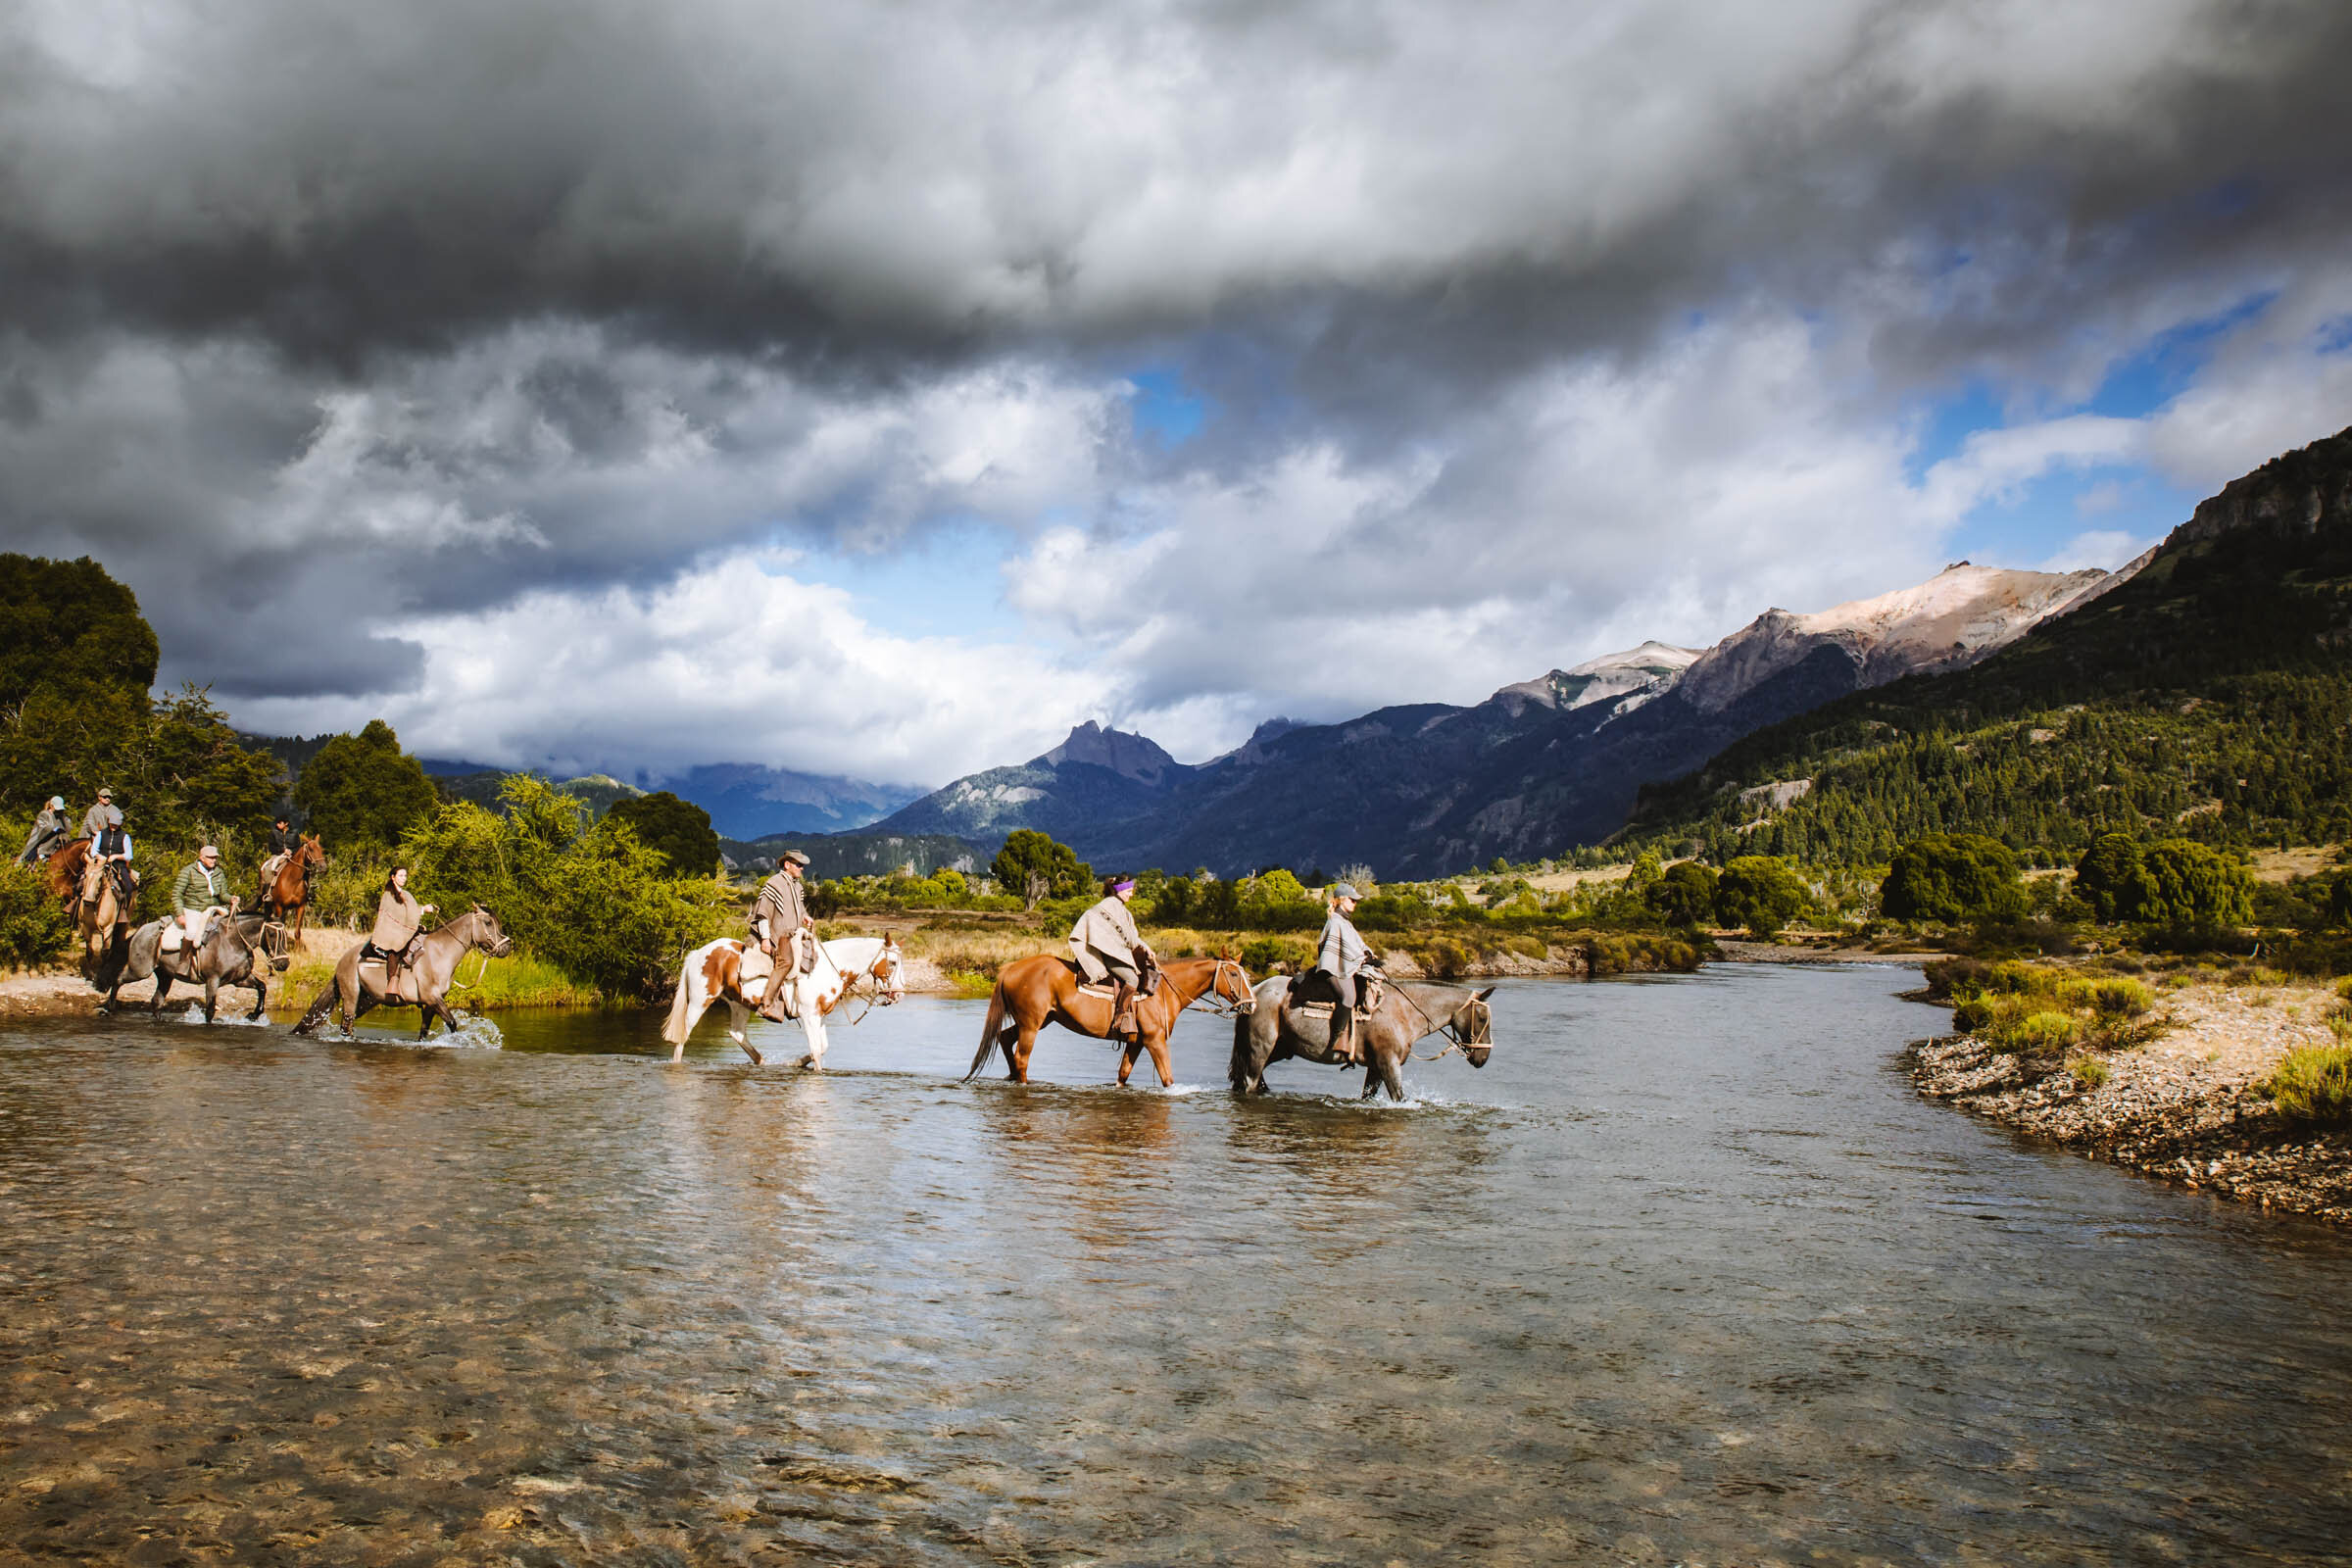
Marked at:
<point>236,1021</point>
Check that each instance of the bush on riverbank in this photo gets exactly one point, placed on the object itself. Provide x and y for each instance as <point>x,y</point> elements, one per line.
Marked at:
<point>34,927</point>
<point>587,897</point>
<point>2313,1085</point>
<point>2043,1012</point>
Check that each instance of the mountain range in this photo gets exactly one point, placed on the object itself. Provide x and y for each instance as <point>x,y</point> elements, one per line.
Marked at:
<point>1539,767</point>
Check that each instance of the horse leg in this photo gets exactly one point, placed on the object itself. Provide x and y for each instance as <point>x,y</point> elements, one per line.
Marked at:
<point>1157,1045</point>
<point>1127,1054</point>
<point>812,1028</point>
<point>211,998</point>
<point>162,984</point>
<point>1382,1072</point>
<point>261,996</point>
<point>1024,1042</point>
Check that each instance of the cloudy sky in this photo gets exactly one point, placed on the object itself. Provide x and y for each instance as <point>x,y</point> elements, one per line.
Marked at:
<point>881,390</point>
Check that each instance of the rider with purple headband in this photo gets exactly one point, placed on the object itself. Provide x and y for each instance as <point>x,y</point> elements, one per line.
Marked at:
<point>1108,948</point>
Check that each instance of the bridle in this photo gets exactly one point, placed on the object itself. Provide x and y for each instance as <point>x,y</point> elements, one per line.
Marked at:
<point>1220,1005</point>
<point>878,995</point>
<point>1481,1031</point>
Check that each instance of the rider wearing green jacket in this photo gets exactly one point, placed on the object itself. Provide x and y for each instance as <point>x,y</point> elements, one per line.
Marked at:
<point>202,885</point>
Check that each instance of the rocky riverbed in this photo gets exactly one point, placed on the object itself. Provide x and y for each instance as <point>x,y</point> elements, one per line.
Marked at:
<point>2184,1108</point>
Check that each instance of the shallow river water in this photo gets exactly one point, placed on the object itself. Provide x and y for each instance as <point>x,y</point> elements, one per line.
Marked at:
<point>1686,1274</point>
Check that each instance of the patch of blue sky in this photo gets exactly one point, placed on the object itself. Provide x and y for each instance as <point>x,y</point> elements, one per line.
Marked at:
<point>2036,523</point>
<point>2163,368</point>
<point>944,581</point>
<point>1163,410</point>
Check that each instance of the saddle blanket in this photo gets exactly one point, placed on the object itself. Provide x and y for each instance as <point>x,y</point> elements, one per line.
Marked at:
<point>1313,1009</point>
<point>170,940</point>
<point>1105,989</point>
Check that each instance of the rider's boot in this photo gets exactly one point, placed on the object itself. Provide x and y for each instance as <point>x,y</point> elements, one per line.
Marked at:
<point>1342,1037</point>
<point>1122,1011</point>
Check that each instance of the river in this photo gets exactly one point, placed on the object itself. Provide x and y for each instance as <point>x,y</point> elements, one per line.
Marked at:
<point>1687,1274</point>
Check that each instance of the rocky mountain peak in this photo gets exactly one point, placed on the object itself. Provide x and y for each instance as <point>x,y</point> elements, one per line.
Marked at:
<point>1129,755</point>
<point>1599,680</point>
<point>1954,619</point>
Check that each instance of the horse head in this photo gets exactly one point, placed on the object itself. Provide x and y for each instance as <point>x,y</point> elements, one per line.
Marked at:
<point>1473,1026</point>
<point>488,935</point>
<point>1229,984</point>
<point>888,970</point>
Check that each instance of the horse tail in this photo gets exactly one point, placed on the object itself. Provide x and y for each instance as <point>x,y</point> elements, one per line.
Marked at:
<point>681,1006</point>
<point>987,1031</point>
<point>1236,1067</point>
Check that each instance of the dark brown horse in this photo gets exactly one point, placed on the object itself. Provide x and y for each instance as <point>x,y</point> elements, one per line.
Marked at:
<point>1032,993</point>
<point>285,896</point>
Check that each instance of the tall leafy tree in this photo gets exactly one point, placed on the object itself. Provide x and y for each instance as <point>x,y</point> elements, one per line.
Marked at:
<point>1684,895</point>
<point>1034,867</point>
<point>1760,893</point>
<point>68,626</point>
<point>1953,876</point>
<point>361,793</point>
<point>679,830</point>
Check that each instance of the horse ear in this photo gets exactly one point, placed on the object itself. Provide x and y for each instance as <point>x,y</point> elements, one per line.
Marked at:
<point>1483,995</point>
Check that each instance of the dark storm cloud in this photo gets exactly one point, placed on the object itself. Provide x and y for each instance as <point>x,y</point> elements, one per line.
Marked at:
<point>340,314</point>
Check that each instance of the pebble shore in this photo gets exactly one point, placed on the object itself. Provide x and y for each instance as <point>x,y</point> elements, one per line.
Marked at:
<point>2182,1109</point>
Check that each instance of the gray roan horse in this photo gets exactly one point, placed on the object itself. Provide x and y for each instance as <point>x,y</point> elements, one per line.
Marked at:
<point>360,987</point>
<point>237,949</point>
<point>1409,1010</point>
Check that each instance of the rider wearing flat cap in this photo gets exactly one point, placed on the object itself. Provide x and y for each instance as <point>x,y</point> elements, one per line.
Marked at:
<point>1339,963</point>
<point>778,920</point>
<point>1108,948</point>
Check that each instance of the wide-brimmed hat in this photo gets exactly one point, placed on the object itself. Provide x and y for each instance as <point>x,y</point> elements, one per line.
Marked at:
<point>1345,890</point>
<point>791,857</point>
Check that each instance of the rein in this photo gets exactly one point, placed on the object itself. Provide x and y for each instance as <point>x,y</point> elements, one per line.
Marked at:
<point>1447,1029</point>
<point>1217,1001</point>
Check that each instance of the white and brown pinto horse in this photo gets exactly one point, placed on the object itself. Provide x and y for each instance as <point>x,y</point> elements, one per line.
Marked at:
<point>731,972</point>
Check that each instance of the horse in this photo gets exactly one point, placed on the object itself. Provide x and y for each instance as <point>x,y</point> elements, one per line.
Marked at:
<point>288,892</point>
<point>715,972</point>
<point>1045,989</point>
<point>101,925</point>
<point>224,958</point>
<point>360,986</point>
<point>1407,1011</point>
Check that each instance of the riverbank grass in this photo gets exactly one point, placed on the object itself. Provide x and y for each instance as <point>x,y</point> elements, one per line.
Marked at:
<point>2042,1013</point>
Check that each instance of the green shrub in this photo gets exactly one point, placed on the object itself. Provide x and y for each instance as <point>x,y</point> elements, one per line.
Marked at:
<point>33,926</point>
<point>2038,1033</point>
<point>1259,956</point>
<point>1972,1017</point>
<point>1953,877</point>
<point>2090,1071</point>
<point>2313,1085</point>
<point>2121,999</point>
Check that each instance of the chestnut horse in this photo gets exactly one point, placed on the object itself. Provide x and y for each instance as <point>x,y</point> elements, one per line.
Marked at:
<point>288,893</point>
<point>1035,992</point>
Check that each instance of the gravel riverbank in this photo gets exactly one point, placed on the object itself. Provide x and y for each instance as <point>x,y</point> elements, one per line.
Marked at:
<point>2183,1108</point>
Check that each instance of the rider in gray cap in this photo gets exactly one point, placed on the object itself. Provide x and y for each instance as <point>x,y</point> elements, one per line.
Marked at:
<point>1338,960</point>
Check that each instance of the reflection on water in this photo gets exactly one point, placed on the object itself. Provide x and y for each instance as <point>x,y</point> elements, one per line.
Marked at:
<point>1685,1274</point>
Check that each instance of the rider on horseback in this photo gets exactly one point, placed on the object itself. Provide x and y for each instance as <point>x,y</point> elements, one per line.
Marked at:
<point>110,853</point>
<point>1340,960</point>
<point>1108,948</point>
<point>283,843</point>
<point>779,920</point>
<point>397,917</point>
<point>50,829</point>
<point>201,890</point>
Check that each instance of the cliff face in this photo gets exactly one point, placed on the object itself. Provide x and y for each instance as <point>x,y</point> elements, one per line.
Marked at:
<point>2305,491</point>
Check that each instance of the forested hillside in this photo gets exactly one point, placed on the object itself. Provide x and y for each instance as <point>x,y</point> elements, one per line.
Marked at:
<point>2209,697</point>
